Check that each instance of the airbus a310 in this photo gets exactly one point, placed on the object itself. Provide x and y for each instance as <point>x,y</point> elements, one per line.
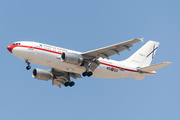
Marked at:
<point>66,64</point>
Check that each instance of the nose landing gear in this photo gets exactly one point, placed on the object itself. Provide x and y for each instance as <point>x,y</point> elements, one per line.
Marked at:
<point>28,63</point>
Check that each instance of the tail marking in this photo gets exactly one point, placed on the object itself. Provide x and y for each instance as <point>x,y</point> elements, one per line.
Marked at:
<point>154,49</point>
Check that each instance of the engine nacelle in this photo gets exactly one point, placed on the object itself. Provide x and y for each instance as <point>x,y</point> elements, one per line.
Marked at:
<point>72,58</point>
<point>42,74</point>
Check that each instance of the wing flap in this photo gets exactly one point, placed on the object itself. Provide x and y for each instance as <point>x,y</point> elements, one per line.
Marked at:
<point>57,82</point>
<point>112,52</point>
<point>75,75</point>
<point>154,67</point>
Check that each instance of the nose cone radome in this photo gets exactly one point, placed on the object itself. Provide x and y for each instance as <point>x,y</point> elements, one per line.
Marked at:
<point>10,48</point>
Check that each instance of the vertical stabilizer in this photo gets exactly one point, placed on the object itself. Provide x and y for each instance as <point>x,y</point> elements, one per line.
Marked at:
<point>144,55</point>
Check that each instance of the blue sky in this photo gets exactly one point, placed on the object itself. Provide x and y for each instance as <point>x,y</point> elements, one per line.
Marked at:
<point>83,26</point>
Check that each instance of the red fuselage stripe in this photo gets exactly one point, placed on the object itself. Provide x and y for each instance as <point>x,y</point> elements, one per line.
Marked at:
<point>118,67</point>
<point>38,49</point>
<point>61,53</point>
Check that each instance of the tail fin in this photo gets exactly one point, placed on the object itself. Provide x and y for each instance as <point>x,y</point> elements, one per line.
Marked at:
<point>144,55</point>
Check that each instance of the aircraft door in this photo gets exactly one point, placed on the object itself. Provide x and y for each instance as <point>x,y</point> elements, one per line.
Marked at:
<point>31,45</point>
<point>31,49</point>
<point>121,66</point>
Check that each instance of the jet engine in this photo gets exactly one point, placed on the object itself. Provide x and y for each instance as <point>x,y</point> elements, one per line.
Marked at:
<point>72,58</point>
<point>42,74</point>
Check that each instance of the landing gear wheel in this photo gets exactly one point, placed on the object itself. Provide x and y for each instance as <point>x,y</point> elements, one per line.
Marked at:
<point>84,73</point>
<point>66,84</point>
<point>89,74</point>
<point>71,84</point>
<point>28,67</point>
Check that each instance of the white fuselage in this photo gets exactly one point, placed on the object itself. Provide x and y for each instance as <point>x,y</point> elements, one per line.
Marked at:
<point>48,55</point>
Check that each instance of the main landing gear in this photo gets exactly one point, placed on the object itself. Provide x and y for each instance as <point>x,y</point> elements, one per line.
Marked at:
<point>69,83</point>
<point>28,63</point>
<point>87,72</point>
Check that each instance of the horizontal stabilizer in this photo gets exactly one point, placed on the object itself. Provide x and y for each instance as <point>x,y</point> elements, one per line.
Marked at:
<point>154,67</point>
<point>140,77</point>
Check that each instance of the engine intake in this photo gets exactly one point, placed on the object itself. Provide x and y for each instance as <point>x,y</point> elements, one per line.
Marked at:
<point>72,58</point>
<point>42,74</point>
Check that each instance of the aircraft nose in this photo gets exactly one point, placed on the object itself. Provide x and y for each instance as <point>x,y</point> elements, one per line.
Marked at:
<point>10,48</point>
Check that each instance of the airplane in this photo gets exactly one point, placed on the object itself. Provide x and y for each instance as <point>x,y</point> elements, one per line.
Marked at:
<point>66,64</point>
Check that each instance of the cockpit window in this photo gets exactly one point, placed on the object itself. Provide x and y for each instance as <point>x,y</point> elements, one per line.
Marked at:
<point>16,43</point>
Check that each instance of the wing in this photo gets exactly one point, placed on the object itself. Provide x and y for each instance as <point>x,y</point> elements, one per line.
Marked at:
<point>105,52</point>
<point>61,77</point>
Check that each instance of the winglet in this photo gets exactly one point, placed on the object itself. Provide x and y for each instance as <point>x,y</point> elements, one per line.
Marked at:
<point>142,39</point>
